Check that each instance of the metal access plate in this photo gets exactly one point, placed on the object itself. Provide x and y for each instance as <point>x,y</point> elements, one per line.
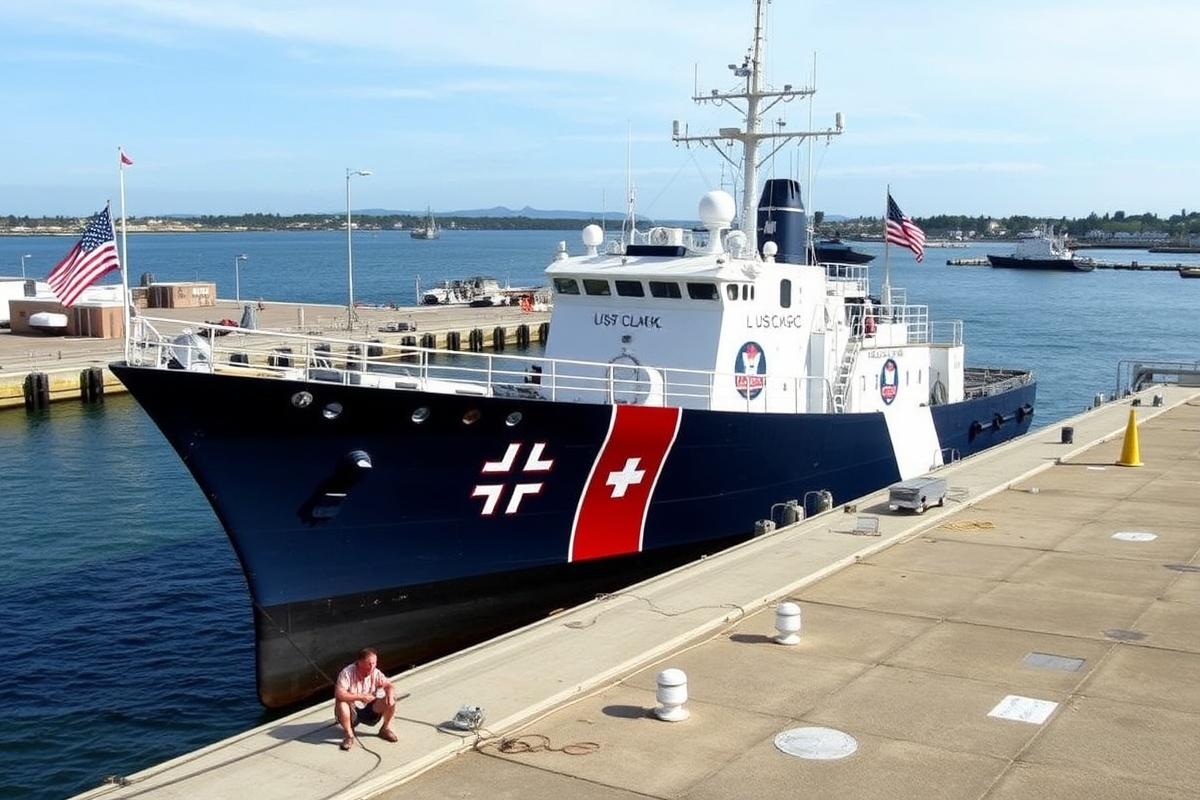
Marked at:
<point>1023,709</point>
<point>1047,661</point>
<point>823,744</point>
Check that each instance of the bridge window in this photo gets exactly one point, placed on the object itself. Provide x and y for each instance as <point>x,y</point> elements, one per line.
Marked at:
<point>566,286</point>
<point>703,291</point>
<point>630,288</point>
<point>596,286</point>
<point>748,291</point>
<point>731,291</point>
<point>665,289</point>
<point>785,294</point>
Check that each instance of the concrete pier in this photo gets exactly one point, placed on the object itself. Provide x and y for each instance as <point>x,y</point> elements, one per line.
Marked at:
<point>1035,637</point>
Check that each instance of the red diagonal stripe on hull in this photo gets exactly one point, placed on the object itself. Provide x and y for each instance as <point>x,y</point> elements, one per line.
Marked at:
<point>612,511</point>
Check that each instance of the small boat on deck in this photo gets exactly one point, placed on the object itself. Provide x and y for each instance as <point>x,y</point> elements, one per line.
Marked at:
<point>478,290</point>
<point>49,322</point>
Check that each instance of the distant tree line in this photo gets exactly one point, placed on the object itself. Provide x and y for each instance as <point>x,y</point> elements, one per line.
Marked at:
<point>279,222</point>
<point>1177,226</point>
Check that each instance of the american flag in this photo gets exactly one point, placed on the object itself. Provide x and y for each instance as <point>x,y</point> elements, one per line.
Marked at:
<point>93,257</point>
<point>903,231</point>
<point>125,160</point>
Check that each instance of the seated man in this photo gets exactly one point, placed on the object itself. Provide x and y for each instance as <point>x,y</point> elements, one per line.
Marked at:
<point>364,694</point>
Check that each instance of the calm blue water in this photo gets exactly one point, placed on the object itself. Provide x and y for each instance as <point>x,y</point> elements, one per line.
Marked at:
<point>126,625</point>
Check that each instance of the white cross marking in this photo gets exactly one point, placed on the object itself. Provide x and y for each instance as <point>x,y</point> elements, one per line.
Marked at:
<point>519,492</point>
<point>504,464</point>
<point>535,462</point>
<point>492,493</point>
<point>620,481</point>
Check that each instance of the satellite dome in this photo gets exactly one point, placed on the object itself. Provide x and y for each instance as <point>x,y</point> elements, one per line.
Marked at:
<point>593,235</point>
<point>717,209</point>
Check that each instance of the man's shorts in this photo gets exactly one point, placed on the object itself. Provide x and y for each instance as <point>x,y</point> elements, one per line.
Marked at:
<point>367,716</point>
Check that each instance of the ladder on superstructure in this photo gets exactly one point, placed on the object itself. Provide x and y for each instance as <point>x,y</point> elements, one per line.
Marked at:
<point>841,384</point>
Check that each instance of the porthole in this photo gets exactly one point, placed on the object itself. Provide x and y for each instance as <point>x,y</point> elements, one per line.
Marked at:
<point>513,419</point>
<point>420,415</point>
<point>332,411</point>
<point>302,399</point>
<point>472,416</point>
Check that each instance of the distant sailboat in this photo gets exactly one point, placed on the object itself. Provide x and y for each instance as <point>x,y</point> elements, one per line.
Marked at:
<point>428,229</point>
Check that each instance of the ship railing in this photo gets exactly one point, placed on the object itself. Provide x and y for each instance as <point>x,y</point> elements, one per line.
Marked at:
<point>692,240</point>
<point>1133,375</point>
<point>209,347</point>
<point>988,381</point>
<point>946,333</point>
<point>847,279</point>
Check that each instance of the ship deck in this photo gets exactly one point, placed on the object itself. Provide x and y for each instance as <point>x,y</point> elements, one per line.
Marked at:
<point>937,645</point>
<point>64,360</point>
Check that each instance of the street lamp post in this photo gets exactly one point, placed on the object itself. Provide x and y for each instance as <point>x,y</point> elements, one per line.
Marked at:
<point>237,275</point>
<point>350,248</point>
<point>27,255</point>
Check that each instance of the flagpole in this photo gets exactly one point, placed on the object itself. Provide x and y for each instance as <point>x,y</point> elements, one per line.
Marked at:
<point>886,291</point>
<point>124,253</point>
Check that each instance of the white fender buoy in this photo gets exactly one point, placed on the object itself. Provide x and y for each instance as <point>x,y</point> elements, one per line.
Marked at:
<point>671,695</point>
<point>787,623</point>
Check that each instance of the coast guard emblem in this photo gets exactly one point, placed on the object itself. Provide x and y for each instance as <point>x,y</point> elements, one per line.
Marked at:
<point>889,381</point>
<point>750,368</point>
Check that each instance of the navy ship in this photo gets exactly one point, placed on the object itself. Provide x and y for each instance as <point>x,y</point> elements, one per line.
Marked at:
<point>697,385</point>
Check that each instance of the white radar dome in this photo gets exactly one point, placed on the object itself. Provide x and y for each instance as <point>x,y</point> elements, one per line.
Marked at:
<point>593,235</point>
<point>717,209</point>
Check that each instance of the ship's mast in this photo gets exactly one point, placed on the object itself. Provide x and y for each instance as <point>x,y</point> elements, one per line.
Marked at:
<point>754,100</point>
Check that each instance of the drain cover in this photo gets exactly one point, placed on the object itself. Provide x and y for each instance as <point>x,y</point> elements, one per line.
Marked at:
<point>824,744</point>
<point>1135,536</point>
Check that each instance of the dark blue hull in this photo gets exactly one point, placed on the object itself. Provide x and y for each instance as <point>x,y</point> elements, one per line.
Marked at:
<point>479,514</point>
<point>1051,264</point>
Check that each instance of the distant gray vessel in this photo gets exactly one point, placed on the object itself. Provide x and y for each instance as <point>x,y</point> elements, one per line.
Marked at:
<point>1043,249</point>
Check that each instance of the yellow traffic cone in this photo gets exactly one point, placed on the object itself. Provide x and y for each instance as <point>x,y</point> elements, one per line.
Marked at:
<point>1130,455</point>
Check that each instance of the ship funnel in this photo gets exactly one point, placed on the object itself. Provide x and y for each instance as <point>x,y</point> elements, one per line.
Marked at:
<point>782,220</point>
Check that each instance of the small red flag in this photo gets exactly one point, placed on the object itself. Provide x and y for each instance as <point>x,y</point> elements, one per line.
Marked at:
<point>125,160</point>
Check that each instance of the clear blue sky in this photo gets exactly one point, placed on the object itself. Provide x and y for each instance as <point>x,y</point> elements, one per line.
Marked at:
<point>231,106</point>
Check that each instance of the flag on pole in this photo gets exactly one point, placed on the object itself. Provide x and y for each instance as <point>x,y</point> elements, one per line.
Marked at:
<point>125,160</point>
<point>903,231</point>
<point>93,257</point>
